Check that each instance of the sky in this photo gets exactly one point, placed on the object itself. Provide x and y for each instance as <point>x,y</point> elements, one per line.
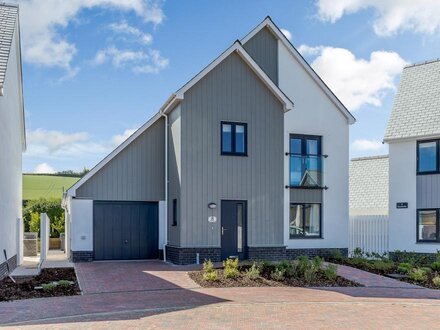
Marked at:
<point>96,70</point>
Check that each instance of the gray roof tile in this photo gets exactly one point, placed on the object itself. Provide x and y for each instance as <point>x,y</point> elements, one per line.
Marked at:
<point>8,18</point>
<point>416,109</point>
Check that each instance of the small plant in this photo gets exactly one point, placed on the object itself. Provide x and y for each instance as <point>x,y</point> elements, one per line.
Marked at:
<point>384,266</point>
<point>253,273</point>
<point>418,275</point>
<point>302,265</point>
<point>437,256</point>
<point>435,266</point>
<point>436,281</point>
<point>208,266</point>
<point>231,268</point>
<point>331,272</point>
<point>404,268</point>
<point>336,255</point>
<point>427,270</point>
<point>358,253</point>
<point>211,276</point>
<point>64,283</point>
<point>287,268</point>
<point>277,275</point>
<point>48,286</point>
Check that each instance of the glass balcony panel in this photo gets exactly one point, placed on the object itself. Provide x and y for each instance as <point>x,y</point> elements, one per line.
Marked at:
<point>306,171</point>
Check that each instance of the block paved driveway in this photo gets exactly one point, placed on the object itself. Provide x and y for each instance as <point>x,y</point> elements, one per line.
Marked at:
<point>154,295</point>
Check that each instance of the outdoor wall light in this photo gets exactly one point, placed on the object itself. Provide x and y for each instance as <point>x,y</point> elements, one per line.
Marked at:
<point>212,205</point>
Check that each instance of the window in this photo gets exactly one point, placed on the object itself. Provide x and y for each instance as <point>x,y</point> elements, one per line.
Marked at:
<point>428,157</point>
<point>174,212</point>
<point>234,139</point>
<point>427,225</point>
<point>305,221</point>
<point>305,161</point>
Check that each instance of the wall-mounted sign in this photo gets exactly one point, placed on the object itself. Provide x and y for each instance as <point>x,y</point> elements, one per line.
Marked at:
<point>402,205</point>
<point>212,219</point>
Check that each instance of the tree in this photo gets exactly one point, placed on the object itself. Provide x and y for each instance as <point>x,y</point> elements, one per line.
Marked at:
<point>52,207</point>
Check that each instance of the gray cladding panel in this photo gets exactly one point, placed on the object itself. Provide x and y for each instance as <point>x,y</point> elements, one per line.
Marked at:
<point>231,92</point>
<point>428,191</point>
<point>137,173</point>
<point>263,47</point>
<point>305,195</point>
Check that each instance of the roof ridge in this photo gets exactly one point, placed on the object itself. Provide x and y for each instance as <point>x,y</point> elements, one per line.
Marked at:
<point>369,157</point>
<point>422,63</point>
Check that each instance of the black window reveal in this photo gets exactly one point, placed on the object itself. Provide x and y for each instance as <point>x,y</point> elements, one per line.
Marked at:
<point>428,157</point>
<point>174,212</point>
<point>305,220</point>
<point>234,138</point>
<point>428,225</point>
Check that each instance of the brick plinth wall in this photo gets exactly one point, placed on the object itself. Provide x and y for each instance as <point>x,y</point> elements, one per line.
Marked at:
<point>12,262</point>
<point>81,256</point>
<point>187,256</point>
<point>281,253</point>
<point>322,252</point>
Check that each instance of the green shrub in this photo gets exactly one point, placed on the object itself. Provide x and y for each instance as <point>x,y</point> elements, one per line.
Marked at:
<point>427,270</point>
<point>404,268</point>
<point>308,269</point>
<point>287,268</point>
<point>64,283</point>
<point>336,255</point>
<point>302,264</point>
<point>52,207</point>
<point>437,256</point>
<point>418,275</point>
<point>382,266</point>
<point>208,266</point>
<point>415,259</point>
<point>436,281</point>
<point>358,253</point>
<point>253,273</point>
<point>231,268</point>
<point>331,272</point>
<point>277,275</point>
<point>211,276</point>
<point>435,266</point>
<point>48,286</point>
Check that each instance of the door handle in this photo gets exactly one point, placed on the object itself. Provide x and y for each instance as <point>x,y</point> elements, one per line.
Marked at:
<point>223,231</point>
<point>126,241</point>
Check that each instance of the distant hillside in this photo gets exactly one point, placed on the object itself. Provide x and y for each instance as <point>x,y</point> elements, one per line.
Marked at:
<point>45,186</point>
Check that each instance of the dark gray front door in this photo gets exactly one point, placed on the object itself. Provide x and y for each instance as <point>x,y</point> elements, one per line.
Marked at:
<point>233,229</point>
<point>125,230</point>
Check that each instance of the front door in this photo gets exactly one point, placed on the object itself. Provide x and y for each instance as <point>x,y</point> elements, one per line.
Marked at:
<point>233,229</point>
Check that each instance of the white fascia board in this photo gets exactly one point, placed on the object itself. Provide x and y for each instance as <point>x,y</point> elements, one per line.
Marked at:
<point>72,190</point>
<point>280,36</point>
<point>238,48</point>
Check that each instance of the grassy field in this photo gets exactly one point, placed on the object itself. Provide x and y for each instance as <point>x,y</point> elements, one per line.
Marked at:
<point>45,186</point>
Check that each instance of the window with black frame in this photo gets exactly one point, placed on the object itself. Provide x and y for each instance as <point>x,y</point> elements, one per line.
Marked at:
<point>305,220</point>
<point>428,157</point>
<point>305,161</point>
<point>234,139</point>
<point>428,225</point>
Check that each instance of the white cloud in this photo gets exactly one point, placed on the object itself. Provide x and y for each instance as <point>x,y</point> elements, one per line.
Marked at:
<point>123,28</point>
<point>367,145</point>
<point>157,63</point>
<point>119,138</point>
<point>44,168</point>
<point>287,33</point>
<point>392,16</point>
<point>356,81</point>
<point>55,140</point>
<point>306,50</point>
<point>41,22</point>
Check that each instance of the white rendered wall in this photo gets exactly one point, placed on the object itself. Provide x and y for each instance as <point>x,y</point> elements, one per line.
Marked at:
<point>81,227</point>
<point>10,157</point>
<point>403,188</point>
<point>315,114</point>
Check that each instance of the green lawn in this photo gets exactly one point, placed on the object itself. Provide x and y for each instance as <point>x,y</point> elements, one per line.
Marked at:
<point>45,186</point>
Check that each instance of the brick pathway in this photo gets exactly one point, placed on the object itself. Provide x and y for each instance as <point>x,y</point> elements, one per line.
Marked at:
<point>372,280</point>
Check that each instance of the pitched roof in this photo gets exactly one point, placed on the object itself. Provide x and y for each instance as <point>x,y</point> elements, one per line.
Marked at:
<point>369,185</point>
<point>416,109</point>
<point>268,23</point>
<point>8,18</point>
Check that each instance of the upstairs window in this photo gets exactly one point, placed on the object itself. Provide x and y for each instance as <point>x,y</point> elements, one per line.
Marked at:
<point>234,139</point>
<point>428,157</point>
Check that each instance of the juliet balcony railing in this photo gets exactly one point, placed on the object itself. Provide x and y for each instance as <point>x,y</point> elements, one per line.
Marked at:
<point>306,171</point>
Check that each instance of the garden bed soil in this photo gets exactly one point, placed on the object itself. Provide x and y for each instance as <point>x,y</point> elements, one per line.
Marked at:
<point>262,280</point>
<point>25,287</point>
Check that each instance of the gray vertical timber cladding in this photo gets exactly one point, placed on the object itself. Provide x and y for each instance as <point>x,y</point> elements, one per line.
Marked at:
<point>428,191</point>
<point>305,195</point>
<point>231,92</point>
<point>137,173</point>
<point>263,47</point>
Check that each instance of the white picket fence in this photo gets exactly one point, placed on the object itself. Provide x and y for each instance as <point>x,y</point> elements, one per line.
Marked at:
<point>369,233</point>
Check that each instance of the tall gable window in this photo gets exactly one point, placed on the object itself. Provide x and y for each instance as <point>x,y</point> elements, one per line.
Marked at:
<point>428,157</point>
<point>234,139</point>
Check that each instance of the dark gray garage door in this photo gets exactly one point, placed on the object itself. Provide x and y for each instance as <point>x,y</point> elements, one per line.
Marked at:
<point>125,230</point>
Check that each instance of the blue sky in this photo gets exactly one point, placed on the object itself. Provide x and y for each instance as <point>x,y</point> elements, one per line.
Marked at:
<point>95,70</point>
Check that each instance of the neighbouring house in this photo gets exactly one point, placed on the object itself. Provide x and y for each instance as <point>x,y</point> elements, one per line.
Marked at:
<point>227,167</point>
<point>413,136</point>
<point>369,186</point>
<point>12,138</point>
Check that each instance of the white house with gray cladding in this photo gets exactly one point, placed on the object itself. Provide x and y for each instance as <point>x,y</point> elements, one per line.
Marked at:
<point>227,167</point>
<point>12,138</point>
<point>413,135</point>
